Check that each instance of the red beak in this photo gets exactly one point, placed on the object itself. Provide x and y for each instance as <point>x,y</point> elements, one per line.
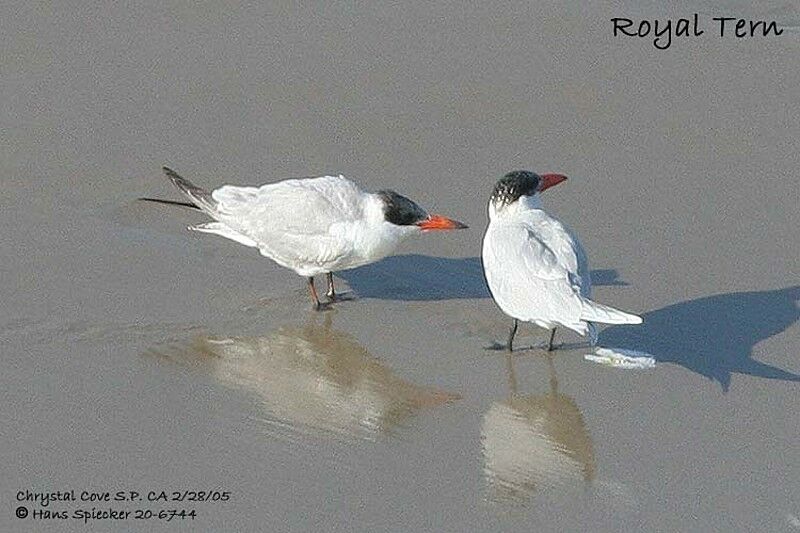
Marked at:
<point>549,180</point>
<point>438,222</point>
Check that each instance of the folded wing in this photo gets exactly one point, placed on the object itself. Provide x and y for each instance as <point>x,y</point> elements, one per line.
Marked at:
<point>527,279</point>
<point>291,221</point>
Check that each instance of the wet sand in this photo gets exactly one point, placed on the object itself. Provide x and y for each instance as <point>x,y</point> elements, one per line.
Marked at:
<point>140,356</point>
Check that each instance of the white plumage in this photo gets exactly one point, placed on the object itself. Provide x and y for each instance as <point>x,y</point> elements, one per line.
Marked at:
<point>535,267</point>
<point>312,225</point>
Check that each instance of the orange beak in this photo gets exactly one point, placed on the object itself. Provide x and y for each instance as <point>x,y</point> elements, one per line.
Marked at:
<point>549,180</point>
<point>438,222</point>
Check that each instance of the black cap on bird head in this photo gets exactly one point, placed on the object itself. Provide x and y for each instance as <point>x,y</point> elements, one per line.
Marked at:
<point>400,211</point>
<point>520,183</point>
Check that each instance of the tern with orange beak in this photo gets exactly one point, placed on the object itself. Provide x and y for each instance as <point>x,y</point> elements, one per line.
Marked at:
<point>535,267</point>
<point>312,225</point>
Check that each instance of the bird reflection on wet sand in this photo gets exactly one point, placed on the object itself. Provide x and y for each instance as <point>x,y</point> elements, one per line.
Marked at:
<point>532,442</point>
<point>312,379</point>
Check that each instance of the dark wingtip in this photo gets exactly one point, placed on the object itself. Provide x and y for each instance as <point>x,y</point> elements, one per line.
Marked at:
<point>168,202</point>
<point>198,196</point>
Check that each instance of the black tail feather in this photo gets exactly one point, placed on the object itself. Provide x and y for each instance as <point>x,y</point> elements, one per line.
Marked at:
<point>200,197</point>
<point>170,202</point>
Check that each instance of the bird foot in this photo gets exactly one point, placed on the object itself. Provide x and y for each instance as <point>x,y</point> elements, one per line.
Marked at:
<point>323,306</point>
<point>497,347</point>
<point>548,348</point>
<point>340,297</point>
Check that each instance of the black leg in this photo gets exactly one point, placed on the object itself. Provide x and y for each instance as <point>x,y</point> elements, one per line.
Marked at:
<point>552,336</point>
<point>511,336</point>
<point>331,294</point>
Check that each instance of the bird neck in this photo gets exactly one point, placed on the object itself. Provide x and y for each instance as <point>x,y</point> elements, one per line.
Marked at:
<point>525,206</point>
<point>375,241</point>
<point>373,237</point>
<point>372,207</point>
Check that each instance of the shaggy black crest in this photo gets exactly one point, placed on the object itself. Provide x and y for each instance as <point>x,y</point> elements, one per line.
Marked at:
<point>513,185</point>
<point>399,210</point>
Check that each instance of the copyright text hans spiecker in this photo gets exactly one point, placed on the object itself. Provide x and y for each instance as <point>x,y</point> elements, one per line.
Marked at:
<point>91,505</point>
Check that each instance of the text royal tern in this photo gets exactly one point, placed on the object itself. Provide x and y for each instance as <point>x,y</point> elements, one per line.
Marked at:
<point>535,267</point>
<point>312,225</point>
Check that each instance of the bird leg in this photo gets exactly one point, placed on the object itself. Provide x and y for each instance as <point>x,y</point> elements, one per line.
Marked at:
<point>314,298</point>
<point>331,294</point>
<point>511,334</point>
<point>552,336</point>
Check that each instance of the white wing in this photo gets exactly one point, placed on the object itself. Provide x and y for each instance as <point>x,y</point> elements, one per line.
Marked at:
<point>218,228</point>
<point>291,220</point>
<point>568,251</point>
<point>571,256</point>
<point>529,279</point>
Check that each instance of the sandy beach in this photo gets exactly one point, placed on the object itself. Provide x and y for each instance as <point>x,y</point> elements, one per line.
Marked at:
<point>139,356</point>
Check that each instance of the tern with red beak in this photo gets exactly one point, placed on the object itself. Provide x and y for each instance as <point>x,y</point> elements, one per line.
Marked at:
<point>312,225</point>
<point>535,267</point>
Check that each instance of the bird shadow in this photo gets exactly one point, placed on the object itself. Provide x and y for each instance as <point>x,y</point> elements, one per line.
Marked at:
<point>714,336</point>
<point>416,277</point>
